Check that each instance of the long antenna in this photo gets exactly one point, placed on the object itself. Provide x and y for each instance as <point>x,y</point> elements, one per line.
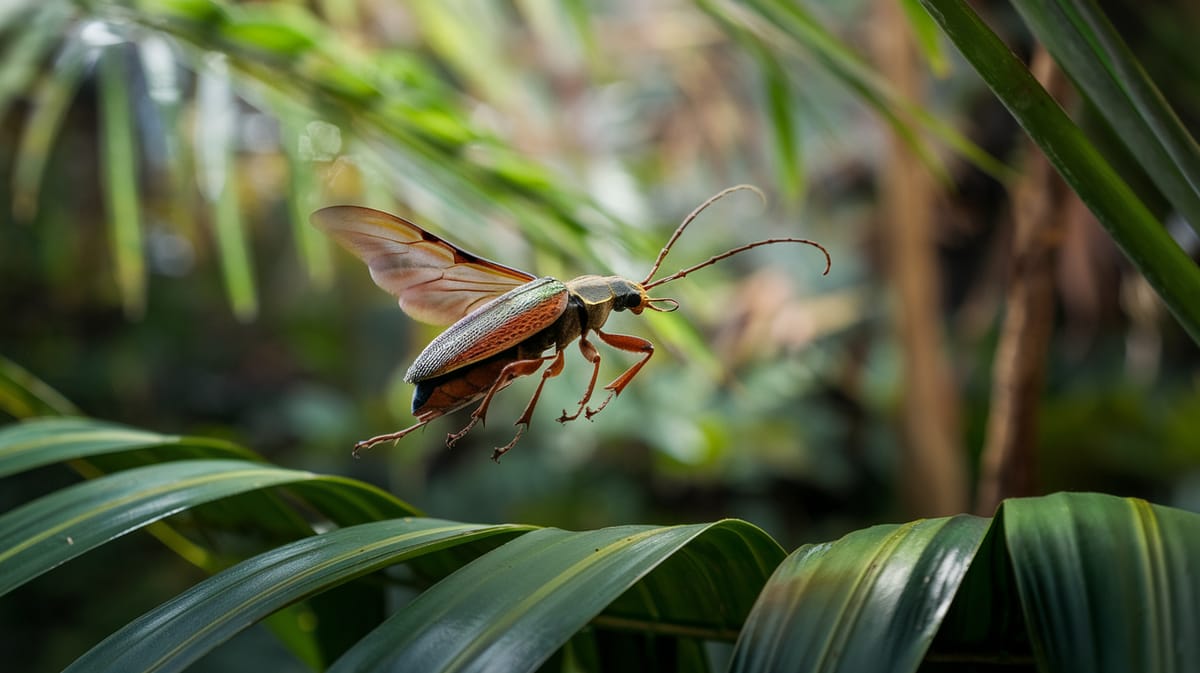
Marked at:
<point>730,253</point>
<point>688,220</point>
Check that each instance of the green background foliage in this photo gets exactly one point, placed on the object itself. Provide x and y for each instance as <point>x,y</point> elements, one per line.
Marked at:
<point>158,163</point>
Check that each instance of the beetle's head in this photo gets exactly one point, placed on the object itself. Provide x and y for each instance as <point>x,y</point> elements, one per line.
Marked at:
<point>631,296</point>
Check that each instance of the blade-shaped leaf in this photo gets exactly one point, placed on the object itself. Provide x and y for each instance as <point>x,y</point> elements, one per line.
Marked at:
<point>23,395</point>
<point>513,608</point>
<point>1090,50</point>
<point>181,630</point>
<point>796,26</point>
<point>303,199</point>
<point>54,529</point>
<point>173,163</point>
<point>216,138</point>
<point>786,143</point>
<point>20,60</point>
<point>927,36</point>
<point>1142,238</point>
<point>1107,583</point>
<point>120,179</point>
<point>52,96</point>
<point>44,441</point>
<point>871,601</point>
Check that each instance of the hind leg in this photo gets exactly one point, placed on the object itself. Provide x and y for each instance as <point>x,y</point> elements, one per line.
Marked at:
<point>522,423</point>
<point>511,371</point>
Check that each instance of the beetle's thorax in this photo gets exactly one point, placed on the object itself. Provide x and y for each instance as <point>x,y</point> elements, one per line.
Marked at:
<point>600,295</point>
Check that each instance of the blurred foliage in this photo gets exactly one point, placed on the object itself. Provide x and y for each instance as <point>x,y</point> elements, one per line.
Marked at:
<point>159,159</point>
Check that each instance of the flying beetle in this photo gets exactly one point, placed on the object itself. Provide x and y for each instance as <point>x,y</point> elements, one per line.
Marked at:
<point>504,320</point>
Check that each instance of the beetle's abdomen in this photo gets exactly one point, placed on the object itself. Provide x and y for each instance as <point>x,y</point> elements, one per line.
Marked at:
<point>496,326</point>
<point>443,394</point>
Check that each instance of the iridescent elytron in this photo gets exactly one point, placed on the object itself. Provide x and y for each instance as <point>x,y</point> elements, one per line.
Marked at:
<point>504,320</point>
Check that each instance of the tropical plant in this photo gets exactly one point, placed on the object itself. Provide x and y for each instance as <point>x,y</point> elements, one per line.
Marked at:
<point>190,93</point>
<point>1046,584</point>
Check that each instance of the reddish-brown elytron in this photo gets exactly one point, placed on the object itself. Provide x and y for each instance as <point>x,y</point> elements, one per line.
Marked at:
<point>502,320</point>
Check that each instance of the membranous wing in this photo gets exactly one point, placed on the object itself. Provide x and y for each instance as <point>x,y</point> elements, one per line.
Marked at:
<point>435,281</point>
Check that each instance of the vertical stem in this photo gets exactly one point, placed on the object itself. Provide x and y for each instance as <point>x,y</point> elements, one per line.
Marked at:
<point>1040,201</point>
<point>934,472</point>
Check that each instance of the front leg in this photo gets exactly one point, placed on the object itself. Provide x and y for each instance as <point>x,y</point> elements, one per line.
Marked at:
<point>630,344</point>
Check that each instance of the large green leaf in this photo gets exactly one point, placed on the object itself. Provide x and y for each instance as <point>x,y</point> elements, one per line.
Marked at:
<point>871,601</point>
<point>1090,50</point>
<point>1107,583</point>
<point>512,609</point>
<point>50,531</point>
<point>44,441</point>
<point>181,630</point>
<point>1142,238</point>
<point>95,448</point>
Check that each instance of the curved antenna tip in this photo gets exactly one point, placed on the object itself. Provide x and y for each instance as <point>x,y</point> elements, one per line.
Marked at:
<point>762,196</point>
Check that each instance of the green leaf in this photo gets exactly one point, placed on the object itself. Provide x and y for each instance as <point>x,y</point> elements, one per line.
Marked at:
<point>54,529</point>
<point>51,98</point>
<point>183,629</point>
<point>216,138</point>
<point>20,61</point>
<point>786,143</point>
<point>165,88</point>
<point>278,29</point>
<point>45,441</point>
<point>513,608</point>
<point>796,27</point>
<point>1090,50</point>
<point>1107,583</point>
<point>23,395</point>
<point>120,179</point>
<point>302,199</point>
<point>871,601</point>
<point>927,36</point>
<point>1142,238</point>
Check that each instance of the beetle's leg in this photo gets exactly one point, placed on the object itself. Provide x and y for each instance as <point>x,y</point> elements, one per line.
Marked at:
<point>592,355</point>
<point>629,344</point>
<point>365,444</point>
<point>554,369</point>
<point>511,371</point>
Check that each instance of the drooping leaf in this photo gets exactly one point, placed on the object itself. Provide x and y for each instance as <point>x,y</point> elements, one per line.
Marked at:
<point>1142,238</point>
<point>513,608</point>
<point>183,629</point>
<point>871,601</point>
<point>216,142</point>
<point>51,98</point>
<point>1085,43</point>
<point>120,179</point>
<point>50,531</point>
<point>1107,583</point>
<point>22,394</point>
<point>44,441</point>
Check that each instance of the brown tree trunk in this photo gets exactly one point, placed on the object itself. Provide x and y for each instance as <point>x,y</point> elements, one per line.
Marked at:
<point>1040,202</point>
<point>933,474</point>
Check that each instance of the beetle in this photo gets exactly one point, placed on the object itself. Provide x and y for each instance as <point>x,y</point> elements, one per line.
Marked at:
<point>503,319</point>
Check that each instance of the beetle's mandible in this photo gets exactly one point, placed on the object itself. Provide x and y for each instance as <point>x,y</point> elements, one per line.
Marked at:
<point>502,320</point>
